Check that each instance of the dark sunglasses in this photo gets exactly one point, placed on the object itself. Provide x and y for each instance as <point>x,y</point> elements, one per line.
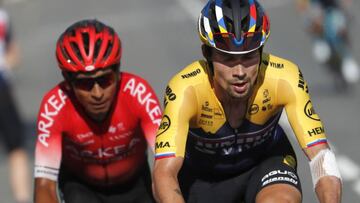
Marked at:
<point>87,84</point>
<point>228,42</point>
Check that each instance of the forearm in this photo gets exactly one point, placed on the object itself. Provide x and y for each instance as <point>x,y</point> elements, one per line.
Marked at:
<point>45,198</point>
<point>167,190</point>
<point>328,189</point>
<point>45,191</point>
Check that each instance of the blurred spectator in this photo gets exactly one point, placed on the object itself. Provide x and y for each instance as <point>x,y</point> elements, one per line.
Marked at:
<point>328,23</point>
<point>11,128</point>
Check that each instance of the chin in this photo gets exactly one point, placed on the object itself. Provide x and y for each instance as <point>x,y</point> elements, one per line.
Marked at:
<point>242,96</point>
<point>97,114</point>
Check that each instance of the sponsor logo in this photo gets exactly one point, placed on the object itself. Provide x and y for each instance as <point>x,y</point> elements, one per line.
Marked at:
<point>145,98</point>
<point>118,151</point>
<point>206,116</point>
<point>192,74</point>
<point>310,111</point>
<point>232,144</point>
<point>302,85</point>
<point>254,108</point>
<point>280,175</point>
<point>266,100</point>
<point>268,107</point>
<point>159,145</point>
<point>169,95</point>
<point>218,114</point>
<point>205,107</point>
<point>290,161</point>
<point>266,93</point>
<point>116,128</point>
<point>316,131</point>
<point>51,108</point>
<point>84,135</point>
<point>121,136</point>
<point>164,125</point>
<point>205,122</point>
<point>112,129</point>
<point>276,65</point>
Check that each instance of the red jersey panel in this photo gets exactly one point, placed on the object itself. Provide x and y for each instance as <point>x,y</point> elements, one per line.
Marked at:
<point>100,153</point>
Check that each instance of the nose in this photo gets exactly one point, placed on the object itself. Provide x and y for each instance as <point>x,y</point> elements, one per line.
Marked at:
<point>97,92</point>
<point>239,71</point>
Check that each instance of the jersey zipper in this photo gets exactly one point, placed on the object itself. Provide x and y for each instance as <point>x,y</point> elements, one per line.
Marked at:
<point>235,139</point>
<point>103,164</point>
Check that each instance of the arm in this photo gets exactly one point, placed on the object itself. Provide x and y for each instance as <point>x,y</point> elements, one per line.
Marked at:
<point>327,188</point>
<point>12,49</point>
<point>48,151</point>
<point>45,191</point>
<point>150,113</point>
<point>12,55</point>
<point>166,185</point>
<point>311,136</point>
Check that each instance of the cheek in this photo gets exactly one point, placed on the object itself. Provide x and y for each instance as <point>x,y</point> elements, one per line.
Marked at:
<point>81,96</point>
<point>253,72</point>
<point>221,72</point>
<point>110,91</point>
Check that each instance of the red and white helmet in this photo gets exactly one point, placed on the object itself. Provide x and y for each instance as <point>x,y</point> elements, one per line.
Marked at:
<point>88,45</point>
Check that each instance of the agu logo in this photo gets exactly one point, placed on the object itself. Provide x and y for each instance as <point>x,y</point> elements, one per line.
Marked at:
<point>310,112</point>
<point>164,125</point>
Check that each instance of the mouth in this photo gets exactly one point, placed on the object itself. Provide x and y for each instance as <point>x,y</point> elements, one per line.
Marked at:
<point>99,105</point>
<point>240,87</point>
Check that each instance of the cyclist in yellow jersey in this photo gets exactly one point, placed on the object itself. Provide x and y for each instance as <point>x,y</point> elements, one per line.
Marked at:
<point>219,139</point>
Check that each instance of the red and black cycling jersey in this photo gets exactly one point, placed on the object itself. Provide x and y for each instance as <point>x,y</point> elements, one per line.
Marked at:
<point>103,153</point>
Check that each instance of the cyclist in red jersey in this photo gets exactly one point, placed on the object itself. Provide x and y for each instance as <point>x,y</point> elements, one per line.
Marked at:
<point>95,126</point>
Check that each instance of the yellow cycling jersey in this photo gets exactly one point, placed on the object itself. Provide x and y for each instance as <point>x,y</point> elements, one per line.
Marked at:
<point>194,119</point>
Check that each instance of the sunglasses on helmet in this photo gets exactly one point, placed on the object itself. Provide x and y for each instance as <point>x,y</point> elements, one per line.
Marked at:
<point>227,42</point>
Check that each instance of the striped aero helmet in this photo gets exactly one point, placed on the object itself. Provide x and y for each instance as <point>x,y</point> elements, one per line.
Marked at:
<point>233,26</point>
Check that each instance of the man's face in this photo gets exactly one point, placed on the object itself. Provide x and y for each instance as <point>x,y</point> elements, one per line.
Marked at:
<point>96,91</point>
<point>235,73</point>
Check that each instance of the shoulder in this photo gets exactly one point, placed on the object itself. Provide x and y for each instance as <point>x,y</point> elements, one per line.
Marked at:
<point>137,91</point>
<point>58,92</point>
<point>279,68</point>
<point>130,80</point>
<point>192,75</point>
<point>54,103</point>
<point>55,100</point>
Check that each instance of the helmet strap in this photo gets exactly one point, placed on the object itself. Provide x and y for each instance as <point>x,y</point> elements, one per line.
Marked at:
<point>207,52</point>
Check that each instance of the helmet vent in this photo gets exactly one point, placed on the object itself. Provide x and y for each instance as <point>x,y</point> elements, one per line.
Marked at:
<point>76,50</point>
<point>85,37</point>
<point>97,48</point>
<point>108,51</point>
